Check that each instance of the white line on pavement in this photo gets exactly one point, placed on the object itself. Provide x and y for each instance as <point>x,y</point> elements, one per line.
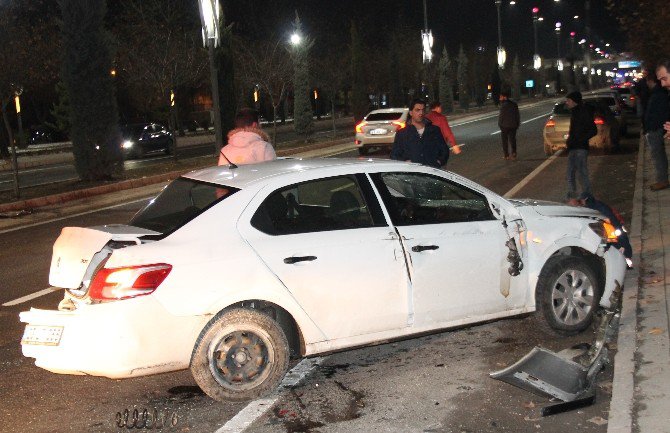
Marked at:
<point>526,121</point>
<point>26,298</point>
<point>2,232</point>
<point>257,408</point>
<point>530,177</point>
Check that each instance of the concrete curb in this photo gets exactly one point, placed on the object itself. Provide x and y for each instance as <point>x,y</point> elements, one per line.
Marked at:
<point>623,385</point>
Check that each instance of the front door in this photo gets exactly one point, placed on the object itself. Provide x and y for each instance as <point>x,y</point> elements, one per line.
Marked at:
<point>454,244</point>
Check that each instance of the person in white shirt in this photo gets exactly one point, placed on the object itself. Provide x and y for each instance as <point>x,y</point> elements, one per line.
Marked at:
<point>247,143</point>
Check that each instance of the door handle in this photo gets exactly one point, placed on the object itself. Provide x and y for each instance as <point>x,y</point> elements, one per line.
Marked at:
<point>419,248</point>
<point>293,259</point>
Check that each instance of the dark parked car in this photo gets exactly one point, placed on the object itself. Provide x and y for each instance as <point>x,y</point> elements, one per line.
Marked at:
<point>140,139</point>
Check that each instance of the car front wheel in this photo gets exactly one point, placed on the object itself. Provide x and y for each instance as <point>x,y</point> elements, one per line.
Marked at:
<point>567,294</point>
<point>241,354</point>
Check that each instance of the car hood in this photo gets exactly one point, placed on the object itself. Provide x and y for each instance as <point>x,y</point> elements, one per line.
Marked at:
<point>555,209</point>
<point>78,251</point>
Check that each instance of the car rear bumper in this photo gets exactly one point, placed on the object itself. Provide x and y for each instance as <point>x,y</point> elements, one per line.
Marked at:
<point>363,140</point>
<point>128,338</point>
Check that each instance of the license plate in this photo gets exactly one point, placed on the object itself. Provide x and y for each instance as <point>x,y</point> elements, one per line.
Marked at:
<point>42,335</point>
<point>378,131</point>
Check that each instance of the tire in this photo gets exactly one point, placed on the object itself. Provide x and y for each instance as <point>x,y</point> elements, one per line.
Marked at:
<point>547,149</point>
<point>567,295</point>
<point>255,356</point>
<point>363,151</point>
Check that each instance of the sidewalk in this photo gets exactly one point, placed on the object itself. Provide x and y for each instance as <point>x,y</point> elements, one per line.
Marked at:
<point>641,386</point>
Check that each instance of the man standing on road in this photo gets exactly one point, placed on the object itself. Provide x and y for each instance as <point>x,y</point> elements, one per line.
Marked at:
<point>582,128</point>
<point>440,120</point>
<point>420,141</point>
<point>508,121</point>
<point>247,144</point>
<point>656,114</point>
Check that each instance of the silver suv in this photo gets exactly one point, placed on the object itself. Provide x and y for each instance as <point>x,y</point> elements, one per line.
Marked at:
<point>378,128</point>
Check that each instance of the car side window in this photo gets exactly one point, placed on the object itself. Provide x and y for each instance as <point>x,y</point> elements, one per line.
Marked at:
<point>334,203</point>
<point>418,199</point>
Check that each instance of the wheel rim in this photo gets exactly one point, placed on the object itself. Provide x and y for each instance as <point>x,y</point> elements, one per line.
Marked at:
<point>572,297</point>
<point>240,359</point>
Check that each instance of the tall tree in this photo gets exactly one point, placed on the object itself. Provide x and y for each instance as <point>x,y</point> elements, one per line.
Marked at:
<point>360,102</point>
<point>302,107</point>
<point>332,77</point>
<point>225,68</point>
<point>462,78</point>
<point>171,57</point>
<point>446,84</point>
<point>87,62</point>
<point>396,97</point>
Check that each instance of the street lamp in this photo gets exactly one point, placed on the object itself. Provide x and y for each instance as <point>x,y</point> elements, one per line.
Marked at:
<point>537,61</point>
<point>426,37</point>
<point>209,17</point>
<point>501,54</point>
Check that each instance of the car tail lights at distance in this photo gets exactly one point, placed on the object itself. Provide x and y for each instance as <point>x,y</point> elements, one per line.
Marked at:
<point>550,123</point>
<point>598,121</point>
<point>110,284</point>
<point>399,124</point>
<point>359,127</point>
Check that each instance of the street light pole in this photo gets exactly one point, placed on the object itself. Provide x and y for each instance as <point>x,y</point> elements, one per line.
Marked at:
<point>537,62</point>
<point>209,17</point>
<point>502,56</point>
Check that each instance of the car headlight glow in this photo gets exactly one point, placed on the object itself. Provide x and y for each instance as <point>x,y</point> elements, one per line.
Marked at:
<point>127,144</point>
<point>605,230</point>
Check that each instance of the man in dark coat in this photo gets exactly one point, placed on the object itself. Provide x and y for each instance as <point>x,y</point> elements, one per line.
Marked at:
<point>508,121</point>
<point>420,141</point>
<point>655,115</point>
<point>582,128</point>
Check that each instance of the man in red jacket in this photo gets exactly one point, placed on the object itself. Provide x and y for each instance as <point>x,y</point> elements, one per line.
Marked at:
<point>440,120</point>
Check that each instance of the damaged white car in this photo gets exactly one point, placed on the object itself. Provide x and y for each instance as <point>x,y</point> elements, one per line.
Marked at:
<point>231,271</point>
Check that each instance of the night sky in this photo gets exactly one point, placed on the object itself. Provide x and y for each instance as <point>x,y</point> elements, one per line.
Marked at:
<point>472,23</point>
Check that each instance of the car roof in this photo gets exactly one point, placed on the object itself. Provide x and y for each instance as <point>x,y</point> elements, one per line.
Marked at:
<point>246,175</point>
<point>388,110</point>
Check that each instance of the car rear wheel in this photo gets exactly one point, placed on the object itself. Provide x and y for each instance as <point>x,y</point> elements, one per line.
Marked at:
<point>567,294</point>
<point>548,150</point>
<point>241,354</point>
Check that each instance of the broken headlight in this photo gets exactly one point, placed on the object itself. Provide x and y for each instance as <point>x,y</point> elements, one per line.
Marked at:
<point>606,231</point>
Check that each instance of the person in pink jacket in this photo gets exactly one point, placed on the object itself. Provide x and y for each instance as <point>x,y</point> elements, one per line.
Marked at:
<point>440,120</point>
<point>247,143</point>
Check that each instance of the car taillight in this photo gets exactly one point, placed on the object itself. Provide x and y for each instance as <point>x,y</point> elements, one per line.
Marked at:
<point>399,124</point>
<point>111,284</point>
<point>359,127</point>
<point>631,98</point>
<point>598,121</point>
<point>550,123</point>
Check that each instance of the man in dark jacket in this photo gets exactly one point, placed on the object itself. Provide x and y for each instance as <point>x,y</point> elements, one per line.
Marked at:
<point>420,141</point>
<point>508,121</point>
<point>582,128</point>
<point>655,115</point>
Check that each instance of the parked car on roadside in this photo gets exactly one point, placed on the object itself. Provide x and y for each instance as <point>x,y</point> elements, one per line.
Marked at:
<point>628,97</point>
<point>556,128</point>
<point>231,270</point>
<point>378,128</point>
<point>141,139</point>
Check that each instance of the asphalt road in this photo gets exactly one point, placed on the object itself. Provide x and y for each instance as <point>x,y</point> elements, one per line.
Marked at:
<point>436,383</point>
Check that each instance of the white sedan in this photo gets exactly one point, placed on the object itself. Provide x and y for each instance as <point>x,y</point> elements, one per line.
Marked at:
<point>231,271</point>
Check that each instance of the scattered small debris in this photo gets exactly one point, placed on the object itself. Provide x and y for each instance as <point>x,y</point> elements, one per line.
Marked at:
<point>529,405</point>
<point>527,418</point>
<point>656,331</point>
<point>439,365</point>
<point>16,214</point>
<point>598,420</point>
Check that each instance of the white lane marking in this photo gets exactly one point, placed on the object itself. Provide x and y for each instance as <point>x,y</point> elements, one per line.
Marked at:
<point>257,408</point>
<point>534,173</point>
<point>526,121</point>
<point>26,298</point>
<point>2,232</point>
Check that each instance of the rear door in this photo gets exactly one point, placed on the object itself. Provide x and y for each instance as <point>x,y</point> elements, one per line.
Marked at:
<point>326,239</point>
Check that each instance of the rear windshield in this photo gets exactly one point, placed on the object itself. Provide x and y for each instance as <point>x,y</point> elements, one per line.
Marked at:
<point>600,100</point>
<point>384,116</point>
<point>180,202</point>
<point>561,108</point>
